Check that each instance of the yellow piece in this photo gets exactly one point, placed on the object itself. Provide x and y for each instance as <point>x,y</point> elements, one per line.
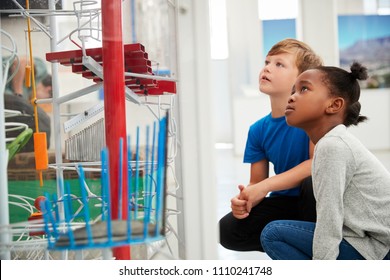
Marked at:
<point>27,79</point>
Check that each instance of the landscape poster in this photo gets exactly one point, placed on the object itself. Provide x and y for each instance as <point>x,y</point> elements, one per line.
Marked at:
<point>366,39</point>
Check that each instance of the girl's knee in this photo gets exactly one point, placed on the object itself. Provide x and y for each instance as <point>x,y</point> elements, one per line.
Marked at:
<point>270,232</point>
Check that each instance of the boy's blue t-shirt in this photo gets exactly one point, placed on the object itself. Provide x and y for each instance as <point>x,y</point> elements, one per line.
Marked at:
<point>283,145</point>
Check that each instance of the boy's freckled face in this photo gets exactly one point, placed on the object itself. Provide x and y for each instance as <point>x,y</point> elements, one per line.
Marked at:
<point>278,74</point>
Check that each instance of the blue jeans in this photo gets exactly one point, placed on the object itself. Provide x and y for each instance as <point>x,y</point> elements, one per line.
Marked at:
<point>293,240</point>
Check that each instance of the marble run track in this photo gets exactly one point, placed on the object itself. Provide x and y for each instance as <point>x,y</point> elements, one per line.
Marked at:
<point>135,59</point>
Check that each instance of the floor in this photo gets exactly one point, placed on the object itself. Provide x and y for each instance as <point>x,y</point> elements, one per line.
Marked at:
<point>231,172</point>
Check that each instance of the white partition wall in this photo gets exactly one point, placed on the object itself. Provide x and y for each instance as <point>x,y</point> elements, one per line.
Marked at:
<point>317,26</point>
<point>196,132</point>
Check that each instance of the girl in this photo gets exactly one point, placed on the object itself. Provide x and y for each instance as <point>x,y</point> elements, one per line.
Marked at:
<point>351,187</point>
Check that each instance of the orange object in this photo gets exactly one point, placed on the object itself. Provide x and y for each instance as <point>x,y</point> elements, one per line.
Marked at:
<point>27,78</point>
<point>40,149</point>
<point>41,158</point>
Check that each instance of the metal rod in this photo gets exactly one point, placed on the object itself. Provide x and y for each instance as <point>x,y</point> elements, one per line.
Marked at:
<point>4,214</point>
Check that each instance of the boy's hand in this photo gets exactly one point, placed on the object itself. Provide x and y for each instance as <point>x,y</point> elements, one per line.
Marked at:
<point>239,205</point>
<point>253,194</point>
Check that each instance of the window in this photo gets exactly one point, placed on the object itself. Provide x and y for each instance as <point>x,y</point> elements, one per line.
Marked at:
<point>218,27</point>
<point>277,23</point>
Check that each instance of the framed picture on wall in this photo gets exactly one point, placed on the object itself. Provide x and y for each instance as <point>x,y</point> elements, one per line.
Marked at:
<point>366,39</point>
<point>275,30</point>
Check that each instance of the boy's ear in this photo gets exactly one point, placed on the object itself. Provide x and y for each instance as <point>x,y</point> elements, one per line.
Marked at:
<point>336,105</point>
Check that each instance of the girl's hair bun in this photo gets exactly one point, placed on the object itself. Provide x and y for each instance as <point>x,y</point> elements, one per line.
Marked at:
<point>358,71</point>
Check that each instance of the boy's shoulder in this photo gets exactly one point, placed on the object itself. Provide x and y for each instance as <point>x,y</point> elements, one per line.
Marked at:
<point>271,127</point>
<point>269,120</point>
<point>263,119</point>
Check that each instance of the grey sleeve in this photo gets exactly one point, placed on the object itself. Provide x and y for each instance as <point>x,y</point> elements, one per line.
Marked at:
<point>332,165</point>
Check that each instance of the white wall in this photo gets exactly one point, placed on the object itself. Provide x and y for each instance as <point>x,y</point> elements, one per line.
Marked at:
<point>375,132</point>
<point>221,97</point>
<point>319,29</point>
<point>243,67</point>
<point>197,131</point>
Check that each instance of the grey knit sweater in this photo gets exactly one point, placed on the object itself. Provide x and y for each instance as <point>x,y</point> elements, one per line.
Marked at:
<point>352,190</point>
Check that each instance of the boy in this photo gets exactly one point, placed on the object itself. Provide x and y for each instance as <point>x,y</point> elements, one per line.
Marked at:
<point>271,140</point>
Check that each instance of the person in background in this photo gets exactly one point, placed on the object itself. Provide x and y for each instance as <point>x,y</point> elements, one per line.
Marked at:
<point>351,186</point>
<point>17,85</point>
<point>288,194</point>
<point>18,98</point>
<point>44,88</point>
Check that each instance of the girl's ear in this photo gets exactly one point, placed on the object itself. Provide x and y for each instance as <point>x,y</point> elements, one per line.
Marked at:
<point>336,105</point>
